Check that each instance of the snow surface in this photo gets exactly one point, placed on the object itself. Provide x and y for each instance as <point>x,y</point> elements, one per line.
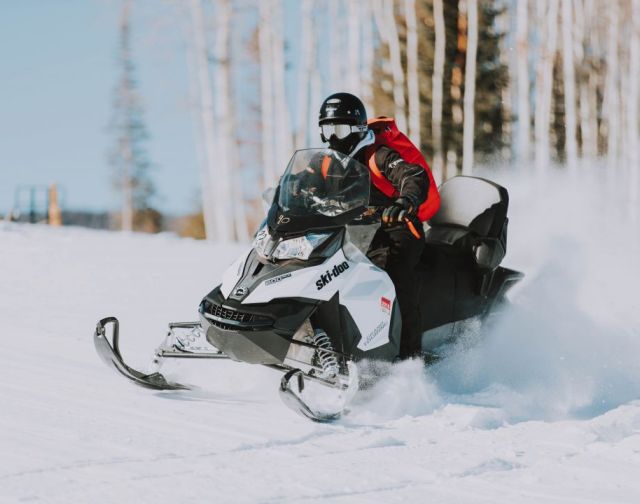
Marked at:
<point>546,408</point>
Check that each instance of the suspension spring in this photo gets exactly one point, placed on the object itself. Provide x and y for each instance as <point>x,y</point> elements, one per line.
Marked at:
<point>328,360</point>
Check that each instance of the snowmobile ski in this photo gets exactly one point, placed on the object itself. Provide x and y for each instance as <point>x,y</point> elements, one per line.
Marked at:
<point>110,354</point>
<point>293,400</point>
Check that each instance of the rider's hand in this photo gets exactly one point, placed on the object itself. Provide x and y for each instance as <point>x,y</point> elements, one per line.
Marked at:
<point>396,213</point>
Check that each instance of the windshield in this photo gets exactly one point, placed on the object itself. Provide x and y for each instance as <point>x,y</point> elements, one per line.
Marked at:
<point>323,182</point>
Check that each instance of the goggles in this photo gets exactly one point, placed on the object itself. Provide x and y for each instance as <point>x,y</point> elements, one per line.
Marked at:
<point>341,131</point>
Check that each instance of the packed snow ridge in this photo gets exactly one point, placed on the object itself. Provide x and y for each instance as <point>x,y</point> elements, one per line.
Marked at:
<point>544,408</point>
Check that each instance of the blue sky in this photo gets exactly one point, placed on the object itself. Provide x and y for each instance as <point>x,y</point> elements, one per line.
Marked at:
<point>57,74</point>
<point>58,71</point>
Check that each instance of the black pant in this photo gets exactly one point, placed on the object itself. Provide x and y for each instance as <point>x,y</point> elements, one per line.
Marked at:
<point>397,251</point>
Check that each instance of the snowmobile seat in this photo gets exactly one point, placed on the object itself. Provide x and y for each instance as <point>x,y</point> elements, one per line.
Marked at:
<point>472,221</point>
<point>465,243</point>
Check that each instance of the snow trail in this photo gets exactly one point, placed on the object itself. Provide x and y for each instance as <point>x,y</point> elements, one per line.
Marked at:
<point>544,409</point>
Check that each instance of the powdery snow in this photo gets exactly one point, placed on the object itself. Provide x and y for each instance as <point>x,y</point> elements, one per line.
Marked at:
<point>546,408</point>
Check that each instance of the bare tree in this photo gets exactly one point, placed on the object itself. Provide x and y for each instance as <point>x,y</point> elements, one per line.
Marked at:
<point>611,105</point>
<point>524,113</point>
<point>412,71</point>
<point>633,110</point>
<point>229,180</point>
<point>584,110</point>
<point>569,84</point>
<point>307,57</point>
<point>437,93</point>
<point>282,122</point>
<point>336,46</point>
<point>368,56</point>
<point>266,95</point>
<point>547,16</point>
<point>215,170</point>
<point>386,21</point>
<point>353,45</point>
<point>470,86</point>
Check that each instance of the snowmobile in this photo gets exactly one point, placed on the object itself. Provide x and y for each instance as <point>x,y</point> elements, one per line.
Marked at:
<point>305,300</point>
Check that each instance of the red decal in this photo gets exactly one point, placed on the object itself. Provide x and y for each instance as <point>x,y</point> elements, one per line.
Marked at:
<point>385,305</point>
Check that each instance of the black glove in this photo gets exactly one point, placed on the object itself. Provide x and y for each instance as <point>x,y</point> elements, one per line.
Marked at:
<point>396,213</point>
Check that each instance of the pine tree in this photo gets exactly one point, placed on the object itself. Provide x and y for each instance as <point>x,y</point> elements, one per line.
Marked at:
<point>129,157</point>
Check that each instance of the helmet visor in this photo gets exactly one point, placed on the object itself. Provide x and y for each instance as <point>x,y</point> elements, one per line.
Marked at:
<point>341,131</point>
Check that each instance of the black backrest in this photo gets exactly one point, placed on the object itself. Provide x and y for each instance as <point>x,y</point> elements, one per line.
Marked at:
<point>471,224</point>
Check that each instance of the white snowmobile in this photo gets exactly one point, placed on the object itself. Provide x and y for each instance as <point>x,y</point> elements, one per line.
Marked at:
<point>305,299</point>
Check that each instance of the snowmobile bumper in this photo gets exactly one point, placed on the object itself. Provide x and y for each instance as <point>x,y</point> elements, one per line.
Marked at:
<point>246,334</point>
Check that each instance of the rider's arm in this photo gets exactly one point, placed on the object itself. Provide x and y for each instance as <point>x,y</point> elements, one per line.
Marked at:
<point>411,180</point>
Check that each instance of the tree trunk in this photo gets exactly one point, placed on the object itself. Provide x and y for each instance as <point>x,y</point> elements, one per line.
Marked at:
<point>223,114</point>
<point>437,92</point>
<point>336,47</point>
<point>353,44</point>
<point>470,86</point>
<point>208,206</point>
<point>269,176</point>
<point>412,71</point>
<point>569,84</point>
<point>386,22</point>
<point>284,137</point>
<point>633,109</point>
<point>524,112</point>
<point>611,106</point>
<point>223,228</point>
<point>368,57</point>
<point>307,55</point>
<point>548,17</point>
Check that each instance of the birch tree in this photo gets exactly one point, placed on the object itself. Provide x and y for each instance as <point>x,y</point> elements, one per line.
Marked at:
<point>611,105</point>
<point>215,170</point>
<point>368,56</point>
<point>230,182</point>
<point>412,71</point>
<point>524,113</point>
<point>282,123</point>
<point>548,18</point>
<point>386,23</point>
<point>266,95</point>
<point>569,84</point>
<point>470,86</point>
<point>353,45</point>
<point>437,93</point>
<point>336,47</point>
<point>633,108</point>
<point>208,206</point>
<point>307,57</point>
<point>587,105</point>
<point>222,112</point>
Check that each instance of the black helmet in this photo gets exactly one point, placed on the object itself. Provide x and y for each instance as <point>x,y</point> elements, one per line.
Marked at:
<point>343,108</point>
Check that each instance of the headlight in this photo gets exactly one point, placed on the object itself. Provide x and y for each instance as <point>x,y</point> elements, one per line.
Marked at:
<point>301,247</point>
<point>262,242</point>
<point>295,248</point>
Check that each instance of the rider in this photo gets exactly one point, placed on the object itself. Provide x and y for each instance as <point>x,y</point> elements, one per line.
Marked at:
<point>398,243</point>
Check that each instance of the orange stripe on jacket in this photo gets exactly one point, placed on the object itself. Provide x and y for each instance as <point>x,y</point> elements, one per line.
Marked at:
<point>378,179</point>
<point>326,163</point>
